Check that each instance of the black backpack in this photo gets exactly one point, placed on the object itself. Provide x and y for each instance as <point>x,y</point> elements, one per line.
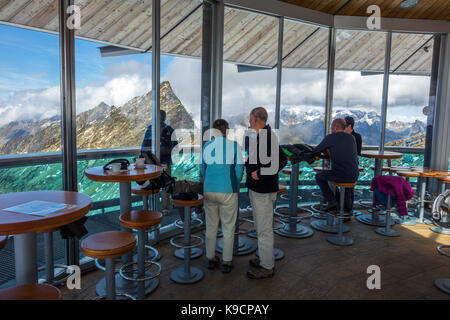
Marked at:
<point>164,181</point>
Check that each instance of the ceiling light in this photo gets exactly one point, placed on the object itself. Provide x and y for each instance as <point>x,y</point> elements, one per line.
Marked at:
<point>408,3</point>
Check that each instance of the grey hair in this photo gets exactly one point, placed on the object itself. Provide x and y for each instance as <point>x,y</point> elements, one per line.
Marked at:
<point>260,113</point>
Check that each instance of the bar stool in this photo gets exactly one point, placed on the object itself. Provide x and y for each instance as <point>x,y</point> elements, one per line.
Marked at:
<point>409,220</point>
<point>141,220</point>
<point>152,252</point>
<point>195,252</point>
<point>440,229</point>
<point>318,207</point>
<point>340,239</point>
<point>443,283</point>
<point>33,291</point>
<point>49,261</point>
<point>278,253</point>
<point>187,274</point>
<point>109,245</point>
<point>387,231</point>
<point>425,174</point>
<point>289,172</point>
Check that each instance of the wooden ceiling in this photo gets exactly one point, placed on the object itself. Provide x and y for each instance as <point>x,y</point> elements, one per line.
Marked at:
<point>249,38</point>
<point>425,9</point>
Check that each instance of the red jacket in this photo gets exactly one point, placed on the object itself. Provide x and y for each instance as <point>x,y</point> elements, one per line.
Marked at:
<point>395,186</point>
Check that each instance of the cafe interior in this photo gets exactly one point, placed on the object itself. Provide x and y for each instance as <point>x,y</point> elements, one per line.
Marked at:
<point>74,228</point>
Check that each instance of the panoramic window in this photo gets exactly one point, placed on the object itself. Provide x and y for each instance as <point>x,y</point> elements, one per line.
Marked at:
<point>303,85</point>
<point>30,109</point>
<point>181,50</point>
<point>358,82</point>
<point>411,57</point>
<point>249,69</point>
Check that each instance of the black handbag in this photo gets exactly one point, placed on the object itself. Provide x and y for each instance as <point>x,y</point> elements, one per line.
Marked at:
<point>164,181</point>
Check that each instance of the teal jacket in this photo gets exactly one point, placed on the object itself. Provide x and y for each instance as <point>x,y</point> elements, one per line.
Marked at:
<point>222,166</point>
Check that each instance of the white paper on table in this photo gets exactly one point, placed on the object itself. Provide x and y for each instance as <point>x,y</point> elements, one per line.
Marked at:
<point>39,208</point>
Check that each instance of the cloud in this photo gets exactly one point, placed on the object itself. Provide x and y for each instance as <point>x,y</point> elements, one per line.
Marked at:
<point>126,81</point>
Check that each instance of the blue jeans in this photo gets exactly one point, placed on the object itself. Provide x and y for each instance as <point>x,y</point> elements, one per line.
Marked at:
<point>322,179</point>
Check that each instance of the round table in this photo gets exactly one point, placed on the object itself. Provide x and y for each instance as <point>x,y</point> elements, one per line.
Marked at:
<point>25,226</point>
<point>124,178</point>
<point>373,219</point>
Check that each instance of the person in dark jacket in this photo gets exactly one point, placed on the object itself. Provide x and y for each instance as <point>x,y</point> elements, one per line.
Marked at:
<point>349,128</point>
<point>344,162</point>
<point>265,160</point>
<point>165,150</point>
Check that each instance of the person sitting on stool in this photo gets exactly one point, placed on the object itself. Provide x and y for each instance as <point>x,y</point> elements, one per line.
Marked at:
<point>344,163</point>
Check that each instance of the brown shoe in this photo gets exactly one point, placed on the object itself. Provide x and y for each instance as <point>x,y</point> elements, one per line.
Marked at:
<point>257,273</point>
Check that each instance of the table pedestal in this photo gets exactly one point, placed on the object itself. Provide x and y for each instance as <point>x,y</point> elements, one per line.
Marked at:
<point>25,258</point>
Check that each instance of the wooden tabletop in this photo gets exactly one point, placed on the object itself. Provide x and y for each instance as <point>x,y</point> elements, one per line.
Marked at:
<point>17,223</point>
<point>150,172</point>
<point>381,155</point>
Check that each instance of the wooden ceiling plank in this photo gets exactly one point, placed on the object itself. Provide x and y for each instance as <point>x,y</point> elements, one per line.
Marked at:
<point>13,8</point>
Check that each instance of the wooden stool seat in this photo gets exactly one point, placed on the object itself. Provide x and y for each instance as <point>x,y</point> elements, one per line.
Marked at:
<point>289,171</point>
<point>31,292</point>
<point>140,219</point>
<point>281,189</point>
<point>443,178</point>
<point>426,173</point>
<point>143,192</point>
<point>3,241</point>
<point>188,203</point>
<point>320,169</point>
<point>408,174</point>
<point>385,169</point>
<point>110,244</point>
<point>343,184</point>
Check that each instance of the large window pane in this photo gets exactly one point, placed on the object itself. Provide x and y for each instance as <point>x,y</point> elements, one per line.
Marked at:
<point>249,73</point>
<point>303,86</point>
<point>30,113</point>
<point>411,58</point>
<point>358,84</point>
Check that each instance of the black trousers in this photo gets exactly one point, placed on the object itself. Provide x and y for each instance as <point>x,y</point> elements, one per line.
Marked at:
<point>322,179</point>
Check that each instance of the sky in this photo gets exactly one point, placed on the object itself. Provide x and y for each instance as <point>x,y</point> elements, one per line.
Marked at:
<point>29,82</point>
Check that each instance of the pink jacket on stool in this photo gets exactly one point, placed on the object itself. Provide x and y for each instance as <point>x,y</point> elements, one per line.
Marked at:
<point>395,186</point>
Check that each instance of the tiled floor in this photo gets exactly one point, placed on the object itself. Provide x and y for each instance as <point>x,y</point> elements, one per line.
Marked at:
<point>315,269</point>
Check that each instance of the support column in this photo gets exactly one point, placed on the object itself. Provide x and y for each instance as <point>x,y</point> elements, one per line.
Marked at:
<point>441,144</point>
<point>330,79</point>
<point>218,11</point>
<point>68,115</point>
<point>156,132</point>
<point>279,71</point>
<point>384,103</point>
<point>206,81</point>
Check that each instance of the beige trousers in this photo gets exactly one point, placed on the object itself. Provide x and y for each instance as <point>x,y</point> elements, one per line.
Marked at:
<point>262,205</point>
<point>221,207</point>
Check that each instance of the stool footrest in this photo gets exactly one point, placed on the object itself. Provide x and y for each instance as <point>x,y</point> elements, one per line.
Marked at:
<point>147,263</point>
<point>184,246</point>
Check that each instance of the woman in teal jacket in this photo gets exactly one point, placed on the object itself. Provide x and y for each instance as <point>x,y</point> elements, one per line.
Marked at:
<point>222,168</point>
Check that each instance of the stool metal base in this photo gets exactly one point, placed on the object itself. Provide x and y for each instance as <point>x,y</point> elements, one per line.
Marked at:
<point>180,276</point>
<point>320,215</point>
<point>388,232</point>
<point>284,210</point>
<point>297,231</point>
<point>245,246</point>
<point>367,219</point>
<point>440,230</point>
<point>321,225</point>
<point>152,253</point>
<point>277,253</point>
<point>195,253</point>
<point>340,241</point>
<point>286,197</point>
<point>127,287</point>
<point>407,221</point>
<point>443,284</point>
